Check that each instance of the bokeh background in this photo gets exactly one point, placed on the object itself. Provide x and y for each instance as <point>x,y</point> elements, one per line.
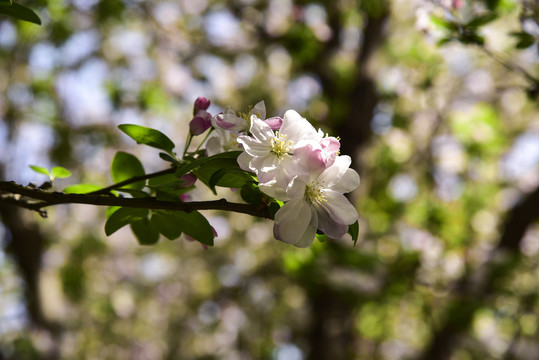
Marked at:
<point>444,134</point>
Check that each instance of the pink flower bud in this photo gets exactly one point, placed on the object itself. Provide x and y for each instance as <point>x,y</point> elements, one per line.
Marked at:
<point>188,180</point>
<point>200,123</point>
<point>274,123</point>
<point>201,103</point>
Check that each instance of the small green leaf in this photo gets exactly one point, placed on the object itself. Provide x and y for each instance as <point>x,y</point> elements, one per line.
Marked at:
<point>353,230</point>
<point>148,136</point>
<point>122,217</point>
<point>81,188</point>
<point>322,237</point>
<point>184,169</point>
<point>126,166</point>
<point>482,20</point>
<point>444,24</point>
<point>5,2</point>
<point>229,177</point>
<point>168,158</point>
<point>19,12</point>
<point>525,40</point>
<point>60,172</point>
<point>166,225</point>
<point>274,207</point>
<point>40,169</point>
<point>193,224</point>
<point>145,232</point>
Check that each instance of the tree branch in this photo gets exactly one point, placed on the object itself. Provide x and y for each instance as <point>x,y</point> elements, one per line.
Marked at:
<point>46,198</point>
<point>106,190</point>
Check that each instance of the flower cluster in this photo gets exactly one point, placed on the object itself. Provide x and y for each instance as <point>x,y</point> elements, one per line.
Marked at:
<point>295,164</point>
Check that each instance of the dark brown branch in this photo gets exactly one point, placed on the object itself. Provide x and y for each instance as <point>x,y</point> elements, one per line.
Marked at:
<point>106,190</point>
<point>55,198</point>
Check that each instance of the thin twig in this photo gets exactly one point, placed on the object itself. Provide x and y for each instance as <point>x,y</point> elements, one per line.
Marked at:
<point>55,198</point>
<point>106,190</point>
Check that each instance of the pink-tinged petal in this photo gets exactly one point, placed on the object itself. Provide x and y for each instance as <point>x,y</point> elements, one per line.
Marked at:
<point>201,103</point>
<point>259,110</point>
<point>274,123</point>
<point>295,223</point>
<point>348,182</point>
<point>260,130</point>
<point>243,161</point>
<point>188,180</point>
<point>264,167</point>
<point>331,228</point>
<point>288,169</point>
<point>219,121</point>
<point>339,208</point>
<point>333,174</point>
<point>330,144</point>
<point>296,127</point>
<point>254,147</point>
<point>311,158</point>
<point>199,125</point>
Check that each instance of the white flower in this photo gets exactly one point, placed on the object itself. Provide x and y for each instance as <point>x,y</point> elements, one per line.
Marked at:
<point>220,141</point>
<point>269,153</point>
<point>315,202</point>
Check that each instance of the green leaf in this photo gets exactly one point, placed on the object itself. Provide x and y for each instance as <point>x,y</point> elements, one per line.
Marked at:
<point>60,172</point>
<point>322,237</point>
<point>40,169</point>
<point>81,188</point>
<point>148,136</point>
<point>184,169</point>
<point>525,40</point>
<point>233,177</point>
<point>19,12</point>
<point>122,217</point>
<point>145,232</point>
<point>5,2</point>
<point>444,24</point>
<point>251,194</point>
<point>126,166</point>
<point>353,230</point>
<point>193,224</point>
<point>482,20</point>
<point>274,207</point>
<point>168,158</point>
<point>166,225</point>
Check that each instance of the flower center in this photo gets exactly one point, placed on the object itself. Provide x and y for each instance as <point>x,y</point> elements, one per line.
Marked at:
<point>314,194</point>
<point>280,146</point>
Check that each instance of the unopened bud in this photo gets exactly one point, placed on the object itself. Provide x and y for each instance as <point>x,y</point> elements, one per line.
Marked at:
<point>201,103</point>
<point>200,123</point>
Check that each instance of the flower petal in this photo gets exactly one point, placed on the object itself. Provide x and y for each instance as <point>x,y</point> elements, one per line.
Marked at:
<point>331,228</point>
<point>295,223</point>
<point>295,127</point>
<point>338,208</point>
<point>271,188</point>
<point>333,174</point>
<point>243,161</point>
<point>259,110</point>
<point>348,182</point>
<point>260,130</point>
<point>253,146</point>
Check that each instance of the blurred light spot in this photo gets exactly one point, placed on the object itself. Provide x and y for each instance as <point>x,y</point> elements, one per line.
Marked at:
<point>287,352</point>
<point>479,83</point>
<point>400,143</point>
<point>155,267</point>
<point>522,158</point>
<point>316,17</point>
<point>130,43</point>
<point>530,242</point>
<point>85,5</point>
<point>223,28</point>
<point>43,58</point>
<point>484,222</point>
<point>382,120</point>
<point>8,34</point>
<point>245,68</point>
<point>228,275</point>
<point>449,153</point>
<point>448,185</point>
<point>79,46</point>
<point>301,90</point>
<point>194,7</point>
<point>403,187</point>
<point>278,17</point>
<point>122,302</point>
<point>167,13</point>
<point>209,312</point>
<point>19,94</point>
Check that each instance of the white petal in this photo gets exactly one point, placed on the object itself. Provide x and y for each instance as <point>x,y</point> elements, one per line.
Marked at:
<point>296,127</point>
<point>339,208</point>
<point>275,191</point>
<point>243,161</point>
<point>295,223</point>
<point>331,228</point>
<point>296,188</point>
<point>259,110</point>
<point>333,174</point>
<point>253,146</point>
<point>260,130</point>
<point>348,182</point>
